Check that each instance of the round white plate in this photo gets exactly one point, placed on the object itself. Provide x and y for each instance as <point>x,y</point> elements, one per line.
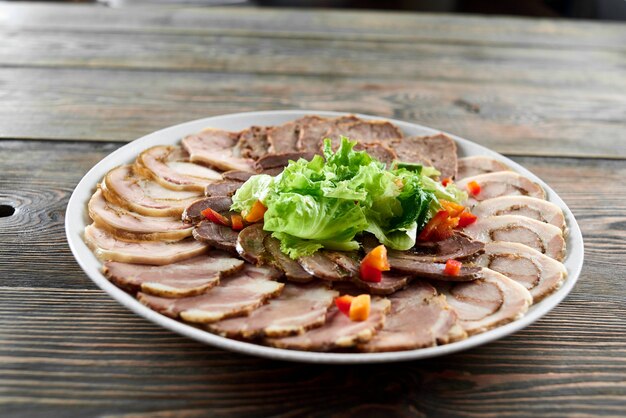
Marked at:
<point>77,218</point>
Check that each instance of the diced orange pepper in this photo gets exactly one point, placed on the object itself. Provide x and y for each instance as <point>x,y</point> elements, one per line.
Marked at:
<point>454,209</point>
<point>431,226</point>
<point>466,218</point>
<point>256,212</point>
<point>215,217</point>
<point>452,268</point>
<point>236,222</point>
<point>446,181</point>
<point>360,308</point>
<point>373,264</point>
<point>343,304</point>
<point>473,188</point>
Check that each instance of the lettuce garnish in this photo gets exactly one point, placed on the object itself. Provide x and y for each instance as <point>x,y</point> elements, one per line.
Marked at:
<point>326,202</point>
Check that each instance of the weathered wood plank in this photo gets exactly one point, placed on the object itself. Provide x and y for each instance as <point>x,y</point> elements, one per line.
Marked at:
<point>123,105</point>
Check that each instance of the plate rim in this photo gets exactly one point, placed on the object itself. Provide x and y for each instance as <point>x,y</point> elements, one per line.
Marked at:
<point>77,208</point>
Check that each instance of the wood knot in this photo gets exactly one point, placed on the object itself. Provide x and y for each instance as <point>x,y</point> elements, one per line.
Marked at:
<point>6,211</point>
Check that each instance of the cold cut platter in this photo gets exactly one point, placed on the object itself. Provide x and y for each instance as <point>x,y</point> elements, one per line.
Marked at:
<point>324,237</point>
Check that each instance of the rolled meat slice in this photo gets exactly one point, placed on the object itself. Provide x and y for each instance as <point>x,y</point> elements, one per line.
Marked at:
<point>527,206</point>
<point>170,167</point>
<point>478,164</point>
<point>127,189</point>
<point>107,247</point>
<point>217,236</point>
<point>236,295</point>
<point>438,151</point>
<point>501,183</point>
<point>538,273</point>
<point>299,307</point>
<point>193,212</point>
<point>338,331</point>
<point>487,303</point>
<point>418,318</point>
<point>185,278</point>
<point>543,237</point>
<point>216,148</point>
<point>134,226</point>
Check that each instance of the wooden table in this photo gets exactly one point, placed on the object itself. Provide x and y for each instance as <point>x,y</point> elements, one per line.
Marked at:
<point>76,82</point>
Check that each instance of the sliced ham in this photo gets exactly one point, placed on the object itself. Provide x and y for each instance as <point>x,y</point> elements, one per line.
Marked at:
<point>418,318</point>
<point>185,278</point>
<point>237,295</point>
<point>363,132</point>
<point>134,226</point>
<point>253,142</point>
<point>216,236</point>
<point>487,303</point>
<point>527,206</point>
<point>126,188</point>
<point>313,131</point>
<point>538,273</point>
<point>543,237</point>
<point>473,166</point>
<point>216,148</point>
<point>438,151</point>
<point>193,212</point>
<point>107,247</point>
<point>170,167</point>
<point>299,308</point>
<point>501,183</point>
<point>338,331</point>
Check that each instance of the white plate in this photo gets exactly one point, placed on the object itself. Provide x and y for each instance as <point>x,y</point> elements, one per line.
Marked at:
<point>77,218</point>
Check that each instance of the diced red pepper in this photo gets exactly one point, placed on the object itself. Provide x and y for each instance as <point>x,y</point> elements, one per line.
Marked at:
<point>446,181</point>
<point>215,217</point>
<point>373,264</point>
<point>454,209</point>
<point>343,304</point>
<point>236,222</point>
<point>256,212</point>
<point>452,268</point>
<point>431,226</point>
<point>369,273</point>
<point>473,188</point>
<point>360,308</point>
<point>466,218</point>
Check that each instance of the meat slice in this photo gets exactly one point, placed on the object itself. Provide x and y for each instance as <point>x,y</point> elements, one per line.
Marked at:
<point>127,189</point>
<point>390,283</point>
<point>313,131</point>
<point>237,295</point>
<point>338,331</point>
<point>527,206</point>
<point>487,303</point>
<point>436,150</point>
<point>217,236</point>
<point>433,271</point>
<point>107,247</point>
<point>222,188</point>
<point>170,167</point>
<point>478,164</point>
<point>272,161</point>
<point>284,138</point>
<point>293,271</point>
<point>320,265</point>
<point>216,148</point>
<point>193,212</point>
<point>418,318</point>
<point>501,183</point>
<point>381,152</point>
<point>237,175</point>
<point>134,226</point>
<point>299,307</point>
<point>543,237</point>
<point>363,131</point>
<point>538,273</point>
<point>250,244</point>
<point>185,278</point>
<point>253,142</point>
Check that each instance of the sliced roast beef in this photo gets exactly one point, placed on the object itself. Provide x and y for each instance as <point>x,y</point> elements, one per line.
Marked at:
<point>293,271</point>
<point>217,236</point>
<point>418,318</point>
<point>284,138</point>
<point>501,183</point>
<point>125,188</point>
<point>473,166</point>
<point>236,295</point>
<point>338,331</point>
<point>299,308</point>
<point>390,283</point>
<point>487,303</point>
<point>185,278</point>
<point>108,247</point>
<point>216,148</point>
<point>381,152</point>
<point>320,265</point>
<point>253,142</point>
<point>313,132</point>
<point>527,206</point>
<point>363,131</point>
<point>134,226</point>
<point>538,273</point>
<point>250,244</point>
<point>170,167</point>
<point>193,212</point>
<point>543,237</point>
<point>439,151</point>
<point>273,161</point>
<point>226,187</point>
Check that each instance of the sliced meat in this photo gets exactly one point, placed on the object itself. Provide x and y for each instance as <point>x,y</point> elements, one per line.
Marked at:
<point>501,183</point>
<point>487,303</point>
<point>237,295</point>
<point>253,142</point>
<point>543,237</point>
<point>193,212</point>
<point>185,278</point>
<point>107,247</point>
<point>299,308</point>
<point>338,331</point>
<point>216,148</point>
<point>216,236</point>
<point>381,152</point>
<point>170,167</point>
<point>527,206</point>
<point>418,318</point>
<point>293,271</point>
<point>390,283</point>
<point>433,271</point>
<point>250,244</point>
<point>237,175</point>
<point>323,267</point>
<point>224,188</point>
<point>272,161</point>
<point>284,138</point>
<point>538,273</point>
<point>363,131</point>
<point>313,131</point>
<point>134,226</point>
<point>125,188</point>
<point>473,166</point>
<point>438,151</point>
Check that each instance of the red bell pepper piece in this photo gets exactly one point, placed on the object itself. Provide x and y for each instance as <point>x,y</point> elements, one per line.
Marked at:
<point>343,304</point>
<point>452,268</point>
<point>473,188</point>
<point>446,181</point>
<point>430,228</point>
<point>373,265</point>
<point>466,218</point>
<point>215,217</point>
